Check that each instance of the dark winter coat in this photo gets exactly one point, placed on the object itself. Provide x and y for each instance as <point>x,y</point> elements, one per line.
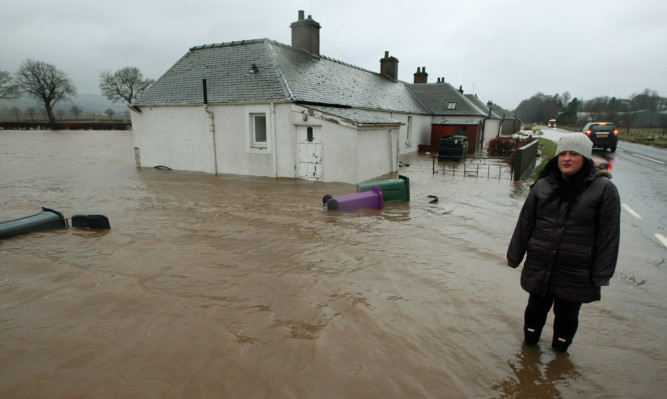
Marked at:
<point>568,256</point>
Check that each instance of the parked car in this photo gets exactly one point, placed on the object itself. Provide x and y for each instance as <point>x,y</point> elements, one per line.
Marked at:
<point>602,134</point>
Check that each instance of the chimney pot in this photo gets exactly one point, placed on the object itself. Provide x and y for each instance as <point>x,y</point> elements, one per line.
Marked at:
<point>421,76</point>
<point>306,34</point>
<point>389,66</point>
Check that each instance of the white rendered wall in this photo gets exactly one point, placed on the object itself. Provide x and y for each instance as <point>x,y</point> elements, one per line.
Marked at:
<point>181,138</point>
<point>177,137</point>
<point>490,131</point>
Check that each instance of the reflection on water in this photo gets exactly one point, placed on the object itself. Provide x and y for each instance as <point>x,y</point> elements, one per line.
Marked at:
<point>534,379</point>
<point>231,286</point>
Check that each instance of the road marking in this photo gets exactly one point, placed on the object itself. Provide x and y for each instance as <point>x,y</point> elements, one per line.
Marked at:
<point>650,159</point>
<point>661,238</point>
<point>631,211</point>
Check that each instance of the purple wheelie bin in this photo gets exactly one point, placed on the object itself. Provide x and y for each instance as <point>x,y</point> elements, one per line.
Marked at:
<point>366,199</point>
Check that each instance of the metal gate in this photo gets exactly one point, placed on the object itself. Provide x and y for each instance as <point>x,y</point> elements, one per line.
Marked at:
<point>491,168</point>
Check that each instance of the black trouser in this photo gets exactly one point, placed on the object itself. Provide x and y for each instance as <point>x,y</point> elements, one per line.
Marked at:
<point>565,323</point>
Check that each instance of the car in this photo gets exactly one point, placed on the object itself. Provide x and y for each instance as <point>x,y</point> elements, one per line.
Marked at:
<point>602,134</point>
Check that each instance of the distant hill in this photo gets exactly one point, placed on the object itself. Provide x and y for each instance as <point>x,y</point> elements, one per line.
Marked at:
<point>92,105</point>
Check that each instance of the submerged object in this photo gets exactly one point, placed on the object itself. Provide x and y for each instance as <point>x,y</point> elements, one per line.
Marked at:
<point>91,221</point>
<point>366,199</point>
<point>396,190</point>
<point>47,219</point>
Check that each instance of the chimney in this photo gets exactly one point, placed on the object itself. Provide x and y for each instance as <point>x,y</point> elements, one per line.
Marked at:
<point>461,89</point>
<point>389,66</point>
<point>421,76</point>
<point>306,34</point>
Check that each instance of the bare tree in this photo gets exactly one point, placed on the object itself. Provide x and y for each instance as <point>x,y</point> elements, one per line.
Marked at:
<point>648,99</point>
<point>76,111</point>
<point>46,83</point>
<point>125,84</point>
<point>566,96</point>
<point>110,113</point>
<point>8,88</point>
<point>16,112</point>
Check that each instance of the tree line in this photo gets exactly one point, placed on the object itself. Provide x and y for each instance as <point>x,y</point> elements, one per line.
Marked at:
<point>49,85</point>
<point>564,108</point>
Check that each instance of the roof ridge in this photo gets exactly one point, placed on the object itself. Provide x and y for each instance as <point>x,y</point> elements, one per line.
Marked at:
<point>228,44</point>
<point>271,41</point>
<point>281,77</point>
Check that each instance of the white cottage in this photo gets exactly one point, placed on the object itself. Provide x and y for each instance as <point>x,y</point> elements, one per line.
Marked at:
<point>263,108</point>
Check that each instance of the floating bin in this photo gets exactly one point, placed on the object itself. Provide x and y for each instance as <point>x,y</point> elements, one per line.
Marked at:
<point>453,148</point>
<point>91,221</point>
<point>367,199</point>
<point>47,219</point>
<point>396,190</point>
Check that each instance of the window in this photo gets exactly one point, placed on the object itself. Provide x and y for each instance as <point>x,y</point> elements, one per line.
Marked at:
<point>310,136</point>
<point>451,105</point>
<point>409,137</point>
<point>258,126</point>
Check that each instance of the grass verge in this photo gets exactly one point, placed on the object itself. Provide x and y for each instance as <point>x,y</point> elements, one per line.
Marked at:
<point>548,150</point>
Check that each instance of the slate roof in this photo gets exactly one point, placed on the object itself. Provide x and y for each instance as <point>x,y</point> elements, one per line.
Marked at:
<point>437,97</point>
<point>500,111</point>
<point>480,105</point>
<point>283,74</point>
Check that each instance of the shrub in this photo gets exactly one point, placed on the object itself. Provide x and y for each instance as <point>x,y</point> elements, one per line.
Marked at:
<point>506,146</point>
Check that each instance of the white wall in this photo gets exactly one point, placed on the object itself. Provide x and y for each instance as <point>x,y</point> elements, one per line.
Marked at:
<point>181,137</point>
<point>490,131</point>
<point>177,137</point>
<point>376,153</point>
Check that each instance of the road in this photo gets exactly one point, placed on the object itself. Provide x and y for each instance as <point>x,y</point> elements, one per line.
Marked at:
<point>639,173</point>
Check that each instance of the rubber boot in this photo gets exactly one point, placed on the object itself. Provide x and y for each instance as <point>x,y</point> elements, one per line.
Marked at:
<point>531,335</point>
<point>560,344</point>
<point>534,320</point>
<point>564,331</point>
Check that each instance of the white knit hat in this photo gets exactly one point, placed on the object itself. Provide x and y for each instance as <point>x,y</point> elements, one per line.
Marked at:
<point>577,142</point>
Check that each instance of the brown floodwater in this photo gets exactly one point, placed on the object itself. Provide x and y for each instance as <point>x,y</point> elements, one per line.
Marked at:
<point>239,287</point>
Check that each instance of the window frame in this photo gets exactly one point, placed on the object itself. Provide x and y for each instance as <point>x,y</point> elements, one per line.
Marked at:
<point>254,142</point>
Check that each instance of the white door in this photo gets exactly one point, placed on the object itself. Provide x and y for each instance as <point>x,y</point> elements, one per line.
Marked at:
<point>310,152</point>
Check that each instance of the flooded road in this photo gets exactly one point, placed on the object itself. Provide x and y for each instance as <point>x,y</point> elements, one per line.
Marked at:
<point>236,287</point>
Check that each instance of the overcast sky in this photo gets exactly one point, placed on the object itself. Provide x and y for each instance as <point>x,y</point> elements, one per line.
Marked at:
<point>504,51</point>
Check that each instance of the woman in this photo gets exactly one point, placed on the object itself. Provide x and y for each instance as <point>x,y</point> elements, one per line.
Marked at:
<point>569,227</point>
